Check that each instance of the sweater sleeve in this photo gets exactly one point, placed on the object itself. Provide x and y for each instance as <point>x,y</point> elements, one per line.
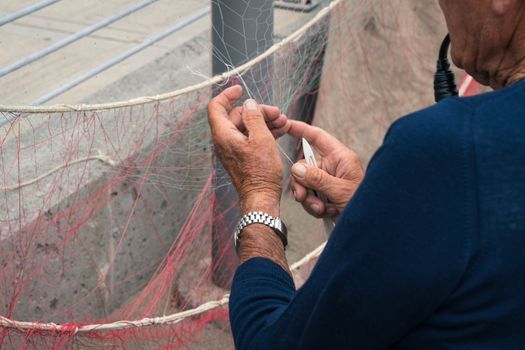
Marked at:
<point>397,253</point>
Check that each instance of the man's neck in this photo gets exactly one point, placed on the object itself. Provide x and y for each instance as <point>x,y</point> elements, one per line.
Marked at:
<point>517,75</point>
<point>510,68</point>
<point>507,74</point>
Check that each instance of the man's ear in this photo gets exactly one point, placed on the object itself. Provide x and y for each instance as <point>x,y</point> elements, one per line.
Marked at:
<point>503,7</point>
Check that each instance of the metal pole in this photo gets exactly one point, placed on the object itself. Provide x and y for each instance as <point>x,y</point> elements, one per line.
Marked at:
<point>72,38</point>
<point>25,11</point>
<point>241,30</point>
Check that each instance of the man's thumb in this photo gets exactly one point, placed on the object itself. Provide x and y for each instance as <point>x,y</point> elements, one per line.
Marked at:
<point>253,118</point>
<point>315,179</point>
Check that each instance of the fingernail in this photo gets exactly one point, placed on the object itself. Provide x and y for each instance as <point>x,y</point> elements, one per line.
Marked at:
<point>316,208</point>
<point>250,105</point>
<point>299,170</point>
<point>331,211</point>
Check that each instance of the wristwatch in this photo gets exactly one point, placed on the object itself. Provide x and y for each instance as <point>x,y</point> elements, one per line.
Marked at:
<point>258,217</point>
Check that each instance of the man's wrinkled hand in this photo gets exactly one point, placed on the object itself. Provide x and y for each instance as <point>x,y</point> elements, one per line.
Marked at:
<point>338,176</point>
<point>244,139</point>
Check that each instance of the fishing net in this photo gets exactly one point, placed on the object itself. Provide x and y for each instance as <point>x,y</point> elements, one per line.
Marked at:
<point>108,213</point>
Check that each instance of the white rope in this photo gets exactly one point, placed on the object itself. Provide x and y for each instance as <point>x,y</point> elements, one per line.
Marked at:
<point>207,83</point>
<point>25,326</point>
<point>102,158</point>
<point>465,85</point>
<point>307,258</point>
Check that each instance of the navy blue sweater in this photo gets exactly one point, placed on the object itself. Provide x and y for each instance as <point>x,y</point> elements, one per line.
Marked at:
<point>428,254</point>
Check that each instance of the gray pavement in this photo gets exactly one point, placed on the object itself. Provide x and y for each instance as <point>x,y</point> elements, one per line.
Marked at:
<point>40,29</point>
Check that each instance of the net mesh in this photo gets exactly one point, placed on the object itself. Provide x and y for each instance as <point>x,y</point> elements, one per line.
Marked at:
<point>107,212</point>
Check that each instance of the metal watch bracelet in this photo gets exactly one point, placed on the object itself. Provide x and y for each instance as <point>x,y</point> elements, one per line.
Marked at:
<point>258,217</point>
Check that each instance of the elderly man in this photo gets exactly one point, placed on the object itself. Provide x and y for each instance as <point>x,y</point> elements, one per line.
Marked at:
<point>429,247</point>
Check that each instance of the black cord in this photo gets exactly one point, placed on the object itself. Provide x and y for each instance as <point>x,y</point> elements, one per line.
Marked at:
<point>444,80</point>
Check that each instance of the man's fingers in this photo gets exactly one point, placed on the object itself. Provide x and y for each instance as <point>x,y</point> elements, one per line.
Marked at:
<point>275,121</point>
<point>236,118</point>
<point>225,101</point>
<point>253,119</point>
<point>221,105</point>
<point>278,125</point>
<point>299,191</point>
<point>278,122</point>
<point>278,132</point>
<point>270,112</point>
<point>314,206</point>
<point>272,115</point>
<point>317,137</point>
<point>311,203</point>
<point>221,126</point>
<point>316,179</point>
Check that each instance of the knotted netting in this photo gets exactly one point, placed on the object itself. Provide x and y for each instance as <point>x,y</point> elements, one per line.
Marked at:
<point>108,212</point>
